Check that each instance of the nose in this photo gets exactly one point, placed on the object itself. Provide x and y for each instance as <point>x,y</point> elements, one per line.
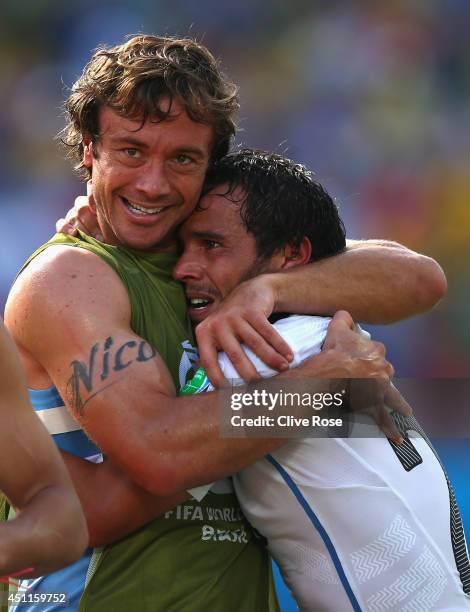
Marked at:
<point>153,181</point>
<point>186,270</point>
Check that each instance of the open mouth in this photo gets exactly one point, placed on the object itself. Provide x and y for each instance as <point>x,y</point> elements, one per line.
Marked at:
<point>199,303</point>
<point>199,307</point>
<point>140,210</point>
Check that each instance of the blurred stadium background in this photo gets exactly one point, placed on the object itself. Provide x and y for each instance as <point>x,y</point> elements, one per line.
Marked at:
<point>373,96</point>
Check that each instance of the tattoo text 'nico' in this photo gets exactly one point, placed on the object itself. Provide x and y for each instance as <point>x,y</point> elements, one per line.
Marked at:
<point>104,358</point>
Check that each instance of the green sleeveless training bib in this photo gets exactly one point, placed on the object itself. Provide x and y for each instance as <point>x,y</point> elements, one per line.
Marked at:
<point>201,556</point>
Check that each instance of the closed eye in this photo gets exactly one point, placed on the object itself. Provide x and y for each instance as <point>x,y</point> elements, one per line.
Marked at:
<point>184,160</point>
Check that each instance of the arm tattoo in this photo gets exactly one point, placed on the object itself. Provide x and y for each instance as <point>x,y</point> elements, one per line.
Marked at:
<point>103,359</point>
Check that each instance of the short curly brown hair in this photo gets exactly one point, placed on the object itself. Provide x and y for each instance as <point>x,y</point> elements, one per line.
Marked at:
<point>132,78</point>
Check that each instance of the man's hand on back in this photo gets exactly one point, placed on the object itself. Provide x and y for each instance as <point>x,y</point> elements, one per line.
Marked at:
<point>349,355</point>
<point>356,355</point>
<point>346,353</point>
<point>81,217</point>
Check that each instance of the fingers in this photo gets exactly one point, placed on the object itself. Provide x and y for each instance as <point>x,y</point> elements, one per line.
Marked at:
<point>376,398</point>
<point>83,217</point>
<point>342,317</point>
<point>386,422</point>
<point>356,354</point>
<point>228,334</point>
<point>234,351</point>
<point>209,361</point>
<point>395,400</point>
<point>242,317</point>
<point>62,226</point>
<point>80,204</point>
<point>388,425</point>
<point>342,323</point>
<point>265,341</point>
<point>391,400</point>
<point>70,222</point>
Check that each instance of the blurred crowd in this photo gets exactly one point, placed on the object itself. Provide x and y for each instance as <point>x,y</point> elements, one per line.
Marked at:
<point>372,96</point>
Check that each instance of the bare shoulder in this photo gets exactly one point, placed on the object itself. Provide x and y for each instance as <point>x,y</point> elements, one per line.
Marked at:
<point>66,270</point>
<point>64,290</point>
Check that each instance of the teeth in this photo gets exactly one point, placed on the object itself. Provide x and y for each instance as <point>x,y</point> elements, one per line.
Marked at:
<point>198,302</point>
<point>139,209</point>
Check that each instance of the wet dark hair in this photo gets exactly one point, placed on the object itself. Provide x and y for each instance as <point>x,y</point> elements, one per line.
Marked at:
<point>281,203</point>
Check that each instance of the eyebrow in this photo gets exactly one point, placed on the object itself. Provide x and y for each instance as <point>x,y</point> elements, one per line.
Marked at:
<point>216,236</point>
<point>124,139</point>
<point>132,140</point>
<point>195,151</point>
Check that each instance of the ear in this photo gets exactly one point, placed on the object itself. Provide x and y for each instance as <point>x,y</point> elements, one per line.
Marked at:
<point>297,256</point>
<point>87,151</point>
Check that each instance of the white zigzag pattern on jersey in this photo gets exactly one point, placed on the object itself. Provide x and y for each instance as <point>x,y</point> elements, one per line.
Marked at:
<point>381,554</point>
<point>427,598</point>
<point>316,565</point>
<point>426,569</point>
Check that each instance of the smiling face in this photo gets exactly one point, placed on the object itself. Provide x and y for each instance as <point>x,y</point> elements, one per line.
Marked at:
<point>147,179</point>
<point>218,254</point>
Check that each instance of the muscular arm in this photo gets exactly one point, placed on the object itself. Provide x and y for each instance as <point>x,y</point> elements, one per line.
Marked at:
<point>126,507</point>
<point>49,531</point>
<point>113,504</point>
<point>66,310</point>
<point>377,281</point>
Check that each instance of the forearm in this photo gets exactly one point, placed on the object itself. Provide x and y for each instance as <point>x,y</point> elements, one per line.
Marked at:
<point>191,450</point>
<point>114,506</point>
<point>376,281</point>
<point>180,447</point>
<point>40,535</point>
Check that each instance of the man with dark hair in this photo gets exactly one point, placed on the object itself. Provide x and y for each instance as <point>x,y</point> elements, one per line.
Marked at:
<point>279,204</point>
<point>310,210</point>
<point>49,530</point>
<point>102,330</point>
<point>347,519</point>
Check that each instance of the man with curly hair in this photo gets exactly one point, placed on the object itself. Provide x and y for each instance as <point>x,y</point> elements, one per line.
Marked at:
<point>103,332</point>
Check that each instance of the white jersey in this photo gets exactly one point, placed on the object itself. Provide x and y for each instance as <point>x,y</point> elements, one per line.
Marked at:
<point>356,523</point>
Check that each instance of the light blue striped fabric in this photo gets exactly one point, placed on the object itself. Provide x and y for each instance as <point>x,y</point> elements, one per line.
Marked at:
<point>45,398</point>
<point>74,442</point>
